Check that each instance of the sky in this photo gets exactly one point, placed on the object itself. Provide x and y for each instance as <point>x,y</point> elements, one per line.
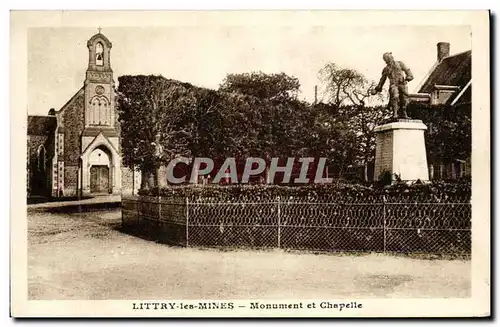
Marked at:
<point>204,55</point>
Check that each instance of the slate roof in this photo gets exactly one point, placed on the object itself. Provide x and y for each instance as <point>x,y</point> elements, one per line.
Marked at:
<point>454,70</point>
<point>41,125</point>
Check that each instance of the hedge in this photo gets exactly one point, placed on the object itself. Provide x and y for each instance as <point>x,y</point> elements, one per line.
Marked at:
<point>433,192</point>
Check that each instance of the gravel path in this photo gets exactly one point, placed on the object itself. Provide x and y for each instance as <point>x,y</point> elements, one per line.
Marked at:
<point>84,256</point>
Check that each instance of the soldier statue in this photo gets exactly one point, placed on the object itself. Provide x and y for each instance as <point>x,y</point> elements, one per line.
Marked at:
<point>399,75</point>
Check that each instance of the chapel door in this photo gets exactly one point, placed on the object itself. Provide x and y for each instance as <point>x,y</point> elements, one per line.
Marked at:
<point>99,179</point>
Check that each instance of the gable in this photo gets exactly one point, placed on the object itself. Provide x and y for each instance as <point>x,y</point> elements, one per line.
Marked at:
<point>71,102</point>
<point>71,122</point>
<point>99,140</point>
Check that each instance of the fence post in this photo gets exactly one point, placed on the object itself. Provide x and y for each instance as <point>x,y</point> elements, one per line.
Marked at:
<point>138,211</point>
<point>384,216</point>
<point>187,221</point>
<point>279,223</point>
<point>159,226</point>
<point>159,208</point>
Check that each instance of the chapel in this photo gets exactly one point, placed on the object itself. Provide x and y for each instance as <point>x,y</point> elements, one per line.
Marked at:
<point>75,151</point>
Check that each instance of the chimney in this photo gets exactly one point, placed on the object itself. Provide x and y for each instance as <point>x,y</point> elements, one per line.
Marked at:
<point>443,50</point>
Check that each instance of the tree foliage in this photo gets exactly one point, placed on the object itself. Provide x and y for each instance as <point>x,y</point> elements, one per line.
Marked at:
<point>261,85</point>
<point>449,131</point>
<point>345,86</point>
<point>348,92</point>
<point>162,119</point>
<point>278,117</point>
<point>259,115</point>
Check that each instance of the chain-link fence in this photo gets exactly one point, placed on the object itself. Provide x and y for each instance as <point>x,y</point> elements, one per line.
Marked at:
<point>308,224</point>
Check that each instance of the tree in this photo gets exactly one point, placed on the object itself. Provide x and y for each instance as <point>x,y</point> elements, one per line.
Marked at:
<point>151,112</point>
<point>277,113</point>
<point>449,131</point>
<point>261,85</point>
<point>288,127</point>
<point>342,85</point>
<point>162,119</point>
<point>348,91</point>
<point>364,122</point>
<point>279,119</point>
<point>332,138</point>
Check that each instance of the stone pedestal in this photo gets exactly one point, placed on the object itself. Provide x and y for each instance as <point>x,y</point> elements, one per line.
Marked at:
<point>400,150</point>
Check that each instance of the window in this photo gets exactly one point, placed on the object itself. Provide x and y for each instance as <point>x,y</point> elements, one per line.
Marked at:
<point>41,158</point>
<point>99,54</point>
<point>100,111</point>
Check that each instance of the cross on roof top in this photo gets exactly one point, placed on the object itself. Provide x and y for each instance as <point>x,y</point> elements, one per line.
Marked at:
<point>99,28</point>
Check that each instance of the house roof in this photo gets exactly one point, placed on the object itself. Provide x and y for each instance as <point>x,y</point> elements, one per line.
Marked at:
<point>454,70</point>
<point>41,125</point>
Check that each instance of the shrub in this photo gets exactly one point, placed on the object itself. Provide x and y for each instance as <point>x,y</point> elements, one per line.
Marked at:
<point>435,191</point>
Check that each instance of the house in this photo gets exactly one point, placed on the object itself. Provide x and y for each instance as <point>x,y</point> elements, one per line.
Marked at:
<point>449,83</point>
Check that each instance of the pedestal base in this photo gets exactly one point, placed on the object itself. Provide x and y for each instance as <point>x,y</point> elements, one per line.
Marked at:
<point>400,150</point>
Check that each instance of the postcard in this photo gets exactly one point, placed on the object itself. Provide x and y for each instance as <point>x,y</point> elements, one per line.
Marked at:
<point>250,163</point>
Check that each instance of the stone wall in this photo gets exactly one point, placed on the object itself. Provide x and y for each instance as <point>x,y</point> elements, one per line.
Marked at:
<point>72,123</point>
<point>70,181</point>
<point>131,181</point>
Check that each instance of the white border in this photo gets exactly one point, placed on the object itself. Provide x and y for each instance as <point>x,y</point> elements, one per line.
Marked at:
<point>481,103</point>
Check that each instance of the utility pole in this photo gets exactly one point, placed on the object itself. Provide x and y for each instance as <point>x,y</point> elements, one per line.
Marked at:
<point>315,94</point>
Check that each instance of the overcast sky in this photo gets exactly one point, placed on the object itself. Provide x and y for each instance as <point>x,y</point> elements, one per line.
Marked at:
<point>204,55</point>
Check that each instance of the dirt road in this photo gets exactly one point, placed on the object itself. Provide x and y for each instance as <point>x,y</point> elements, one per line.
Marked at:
<point>84,256</point>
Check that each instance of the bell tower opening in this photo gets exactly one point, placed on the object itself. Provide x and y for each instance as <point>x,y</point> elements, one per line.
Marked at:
<point>99,49</point>
<point>99,56</point>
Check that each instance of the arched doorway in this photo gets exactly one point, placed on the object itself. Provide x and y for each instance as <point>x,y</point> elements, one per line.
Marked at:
<point>100,171</point>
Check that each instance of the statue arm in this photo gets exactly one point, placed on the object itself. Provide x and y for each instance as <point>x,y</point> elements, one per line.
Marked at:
<point>408,73</point>
<point>381,83</point>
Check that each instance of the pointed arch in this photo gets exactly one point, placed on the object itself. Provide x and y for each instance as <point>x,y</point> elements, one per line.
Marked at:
<point>99,54</point>
<point>41,158</point>
<point>99,37</point>
<point>100,113</point>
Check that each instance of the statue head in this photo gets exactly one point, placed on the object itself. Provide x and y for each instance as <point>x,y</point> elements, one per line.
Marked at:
<point>388,58</point>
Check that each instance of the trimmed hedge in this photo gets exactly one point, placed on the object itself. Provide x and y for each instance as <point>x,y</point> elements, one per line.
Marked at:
<point>433,192</point>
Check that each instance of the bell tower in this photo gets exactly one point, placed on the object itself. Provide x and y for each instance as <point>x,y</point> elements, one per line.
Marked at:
<point>100,109</point>
<point>100,161</point>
